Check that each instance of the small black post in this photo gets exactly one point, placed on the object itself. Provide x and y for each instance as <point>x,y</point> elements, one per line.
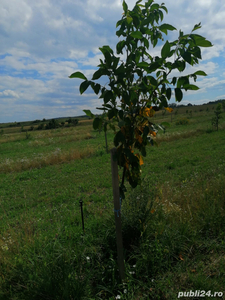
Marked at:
<point>82,215</point>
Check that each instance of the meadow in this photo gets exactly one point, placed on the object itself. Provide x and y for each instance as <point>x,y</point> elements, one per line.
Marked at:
<point>173,224</point>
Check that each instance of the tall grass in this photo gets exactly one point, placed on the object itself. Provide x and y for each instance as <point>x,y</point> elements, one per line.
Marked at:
<point>42,160</point>
<point>167,234</point>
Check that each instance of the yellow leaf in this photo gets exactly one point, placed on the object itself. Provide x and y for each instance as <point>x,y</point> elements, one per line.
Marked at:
<point>180,256</point>
<point>127,166</point>
<point>152,132</point>
<point>140,139</point>
<point>169,109</point>
<point>132,151</point>
<point>147,112</point>
<point>141,162</point>
<point>152,211</point>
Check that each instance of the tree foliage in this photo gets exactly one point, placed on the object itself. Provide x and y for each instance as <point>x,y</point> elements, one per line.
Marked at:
<point>139,83</point>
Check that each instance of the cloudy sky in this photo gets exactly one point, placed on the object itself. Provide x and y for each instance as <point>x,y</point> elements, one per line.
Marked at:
<point>44,41</point>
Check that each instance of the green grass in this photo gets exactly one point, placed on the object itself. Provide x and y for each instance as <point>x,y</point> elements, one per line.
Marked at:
<point>173,225</point>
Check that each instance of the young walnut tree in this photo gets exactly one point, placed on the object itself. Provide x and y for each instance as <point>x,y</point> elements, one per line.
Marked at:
<point>141,84</point>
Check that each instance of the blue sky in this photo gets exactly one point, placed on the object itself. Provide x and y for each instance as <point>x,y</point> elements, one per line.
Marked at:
<point>43,42</point>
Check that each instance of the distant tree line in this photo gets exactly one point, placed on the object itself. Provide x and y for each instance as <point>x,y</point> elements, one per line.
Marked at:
<point>175,105</point>
<point>53,124</point>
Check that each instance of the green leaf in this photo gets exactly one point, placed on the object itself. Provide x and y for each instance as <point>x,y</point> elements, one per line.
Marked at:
<point>163,101</point>
<point>107,105</point>
<point>101,108</point>
<point>96,87</point>
<point>200,73</point>
<point>154,66</point>
<point>182,81</point>
<point>187,57</point>
<point>163,7</point>
<point>119,138</point>
<point>78,75</point>
<point>125,7</point>
<point>136,21</point>
<point>84,85</point>
<point>197,26</point>
<point>166,27</point>
<point>174,80</point>
<point>201,41</point>
<point>168,93</point>
<point>120,46</point>
<point>180,65</point>
<point>178,94</point>
<point>119,23</point>
<point>146,43</point>
<point>97,123</point>
<point>108,95</point>
<point>197,52</point>
<point>115,62</point>
<point>165,52</point>
<point>120,32</point>
<point>111,113</point>
<point>191,87</point>
<point>129,19</point>
<point>136,34</point>
<point>88,113</point>
<point>152,80</point>
<point>105,49</point>
<point>143,64</point>
<point>98,74</point>
<point>161,15</point>
<point>154,6</point>
<point>148,3</point>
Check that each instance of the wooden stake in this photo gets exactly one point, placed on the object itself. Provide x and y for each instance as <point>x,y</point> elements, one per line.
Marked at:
<point>117,212</point>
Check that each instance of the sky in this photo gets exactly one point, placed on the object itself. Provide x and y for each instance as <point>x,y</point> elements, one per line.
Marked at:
<point>43,42</point>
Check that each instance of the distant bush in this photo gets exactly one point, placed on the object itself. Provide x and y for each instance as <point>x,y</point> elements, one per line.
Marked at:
<point>52,124</point>
<point>72,121</point>
<point>75,121</point>
<point>41,126</point>
<point>183,121</point>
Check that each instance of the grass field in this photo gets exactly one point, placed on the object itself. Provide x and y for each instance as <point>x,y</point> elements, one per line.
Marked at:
<point>173,225</point>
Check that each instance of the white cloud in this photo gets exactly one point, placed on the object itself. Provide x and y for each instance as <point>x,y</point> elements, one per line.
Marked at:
<point>14,15</point>
<point>9,93</point>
